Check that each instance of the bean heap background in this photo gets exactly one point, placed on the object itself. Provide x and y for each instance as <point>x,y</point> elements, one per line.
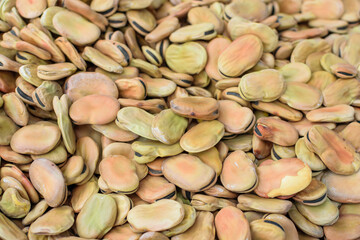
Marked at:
<point>179,119</point>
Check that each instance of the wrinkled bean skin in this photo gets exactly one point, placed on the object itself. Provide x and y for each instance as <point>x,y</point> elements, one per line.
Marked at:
<point>342,159</point>
<point>276,131</point>
<point>180,119</point>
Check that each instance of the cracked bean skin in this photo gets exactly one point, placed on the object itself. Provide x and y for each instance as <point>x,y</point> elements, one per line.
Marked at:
<point>296,173</point>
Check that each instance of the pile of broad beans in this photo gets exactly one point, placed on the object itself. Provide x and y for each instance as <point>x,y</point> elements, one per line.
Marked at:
<point>179,119</point>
